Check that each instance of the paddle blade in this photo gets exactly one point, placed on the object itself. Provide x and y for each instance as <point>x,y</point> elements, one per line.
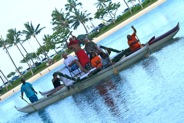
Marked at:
<point>116,72</point>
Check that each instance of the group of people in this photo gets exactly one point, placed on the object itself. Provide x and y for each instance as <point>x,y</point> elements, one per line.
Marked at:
<point>92,56</point>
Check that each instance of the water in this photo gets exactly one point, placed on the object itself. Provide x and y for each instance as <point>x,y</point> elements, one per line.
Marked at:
<point>150,91</point>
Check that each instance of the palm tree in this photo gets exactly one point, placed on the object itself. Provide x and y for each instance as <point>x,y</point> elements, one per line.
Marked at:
<point>28,57</point>
<point>131,1</point>
<point>3,44</point>
<point>128,7</point>
<point>49,43</point>
<point>72,5</point>
<point>60,20</point>
<point>5,78</point>
<point>80,17</point>
<point>13,39</point>
<point>11,74</point>
<point>90,19</point>
<point>31,31</point>
<point>140,4</point>
<point>101,5</point>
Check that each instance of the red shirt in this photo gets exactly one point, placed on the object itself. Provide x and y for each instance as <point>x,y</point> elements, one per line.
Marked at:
<point>73,42</point>
<point>82,57</point>
<point>133,46</point>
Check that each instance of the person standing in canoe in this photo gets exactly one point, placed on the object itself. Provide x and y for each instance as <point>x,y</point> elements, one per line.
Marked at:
<point>133,41</point>
<point>80,53</point>
<point>28,89</point>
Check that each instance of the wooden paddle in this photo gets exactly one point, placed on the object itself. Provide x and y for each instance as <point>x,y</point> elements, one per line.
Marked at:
<point>29,104</point>
<point>115,71</point>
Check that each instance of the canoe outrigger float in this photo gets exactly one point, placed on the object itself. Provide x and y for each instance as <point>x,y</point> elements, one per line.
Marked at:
<point>123,63</point>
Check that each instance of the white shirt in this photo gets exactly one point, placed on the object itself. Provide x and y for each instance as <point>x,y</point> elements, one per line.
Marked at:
<point>69,60</point>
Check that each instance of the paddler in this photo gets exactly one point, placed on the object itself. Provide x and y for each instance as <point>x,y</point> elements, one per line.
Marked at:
<point>133,41</point>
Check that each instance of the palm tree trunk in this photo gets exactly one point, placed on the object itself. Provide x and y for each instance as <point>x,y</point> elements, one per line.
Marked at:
<point>26,51</point>
<point>11,59</point>
<point>55,51</point>
<point>140,4</point>
<point>92,24</point>
<point>128,7</point>
<point>40,45</point>
<point>84,27</point>
<point>4,76</point>
<point>24,57</point>
<point>108,12</point>
<point>34,51</point>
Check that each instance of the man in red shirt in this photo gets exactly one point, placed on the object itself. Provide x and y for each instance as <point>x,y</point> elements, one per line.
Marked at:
<point>80,53</point>
<point>133,42</point>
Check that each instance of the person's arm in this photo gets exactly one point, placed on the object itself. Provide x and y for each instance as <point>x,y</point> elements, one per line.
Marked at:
<point>135,31</point>
<point>87,50</point>
<point>22,94</point>
<point>33,90</point>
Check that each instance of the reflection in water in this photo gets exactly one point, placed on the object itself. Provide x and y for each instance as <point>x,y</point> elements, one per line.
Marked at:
<point>45,117</point>
<point>106,89</point>
<point>151,68</point>
<point>87,97</point>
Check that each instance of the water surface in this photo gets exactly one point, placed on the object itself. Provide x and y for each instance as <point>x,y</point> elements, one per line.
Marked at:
<point>150,91</point>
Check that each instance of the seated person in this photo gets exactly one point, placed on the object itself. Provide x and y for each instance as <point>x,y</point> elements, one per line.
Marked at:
<point>95,60</point>
<point>72,63</point>
<point>133,42</point>
<point>80,53</point>
<point>56,83</point>
<point>90,46</point>
<point>105,60</point>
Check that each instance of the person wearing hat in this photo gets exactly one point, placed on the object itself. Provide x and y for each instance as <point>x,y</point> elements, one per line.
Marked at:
<point>28,89</point>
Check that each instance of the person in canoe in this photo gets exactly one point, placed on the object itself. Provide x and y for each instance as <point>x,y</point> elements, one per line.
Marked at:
<point>72,63</point>
<point>133,41</point>
<point>105,60</point>
<point>28,89</point>
<point>56,83</point>
<point>80,53</point>
<point>90,46</point>
<point>95,60</point>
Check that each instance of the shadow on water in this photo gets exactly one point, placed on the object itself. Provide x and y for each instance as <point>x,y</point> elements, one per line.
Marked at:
<point>45,117</point>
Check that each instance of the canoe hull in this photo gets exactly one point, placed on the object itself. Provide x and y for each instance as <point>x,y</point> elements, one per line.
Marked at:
<point>161,41</point>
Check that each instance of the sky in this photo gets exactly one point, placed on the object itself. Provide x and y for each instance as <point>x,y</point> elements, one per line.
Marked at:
<point>14,13</point>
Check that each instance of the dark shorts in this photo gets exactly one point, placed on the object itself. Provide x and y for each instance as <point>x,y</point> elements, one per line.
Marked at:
<point>74,67</point>
<point>33,98</point>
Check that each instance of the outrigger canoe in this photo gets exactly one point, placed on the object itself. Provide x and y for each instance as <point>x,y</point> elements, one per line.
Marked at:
<point>123,63</point>
<point>79,86</point>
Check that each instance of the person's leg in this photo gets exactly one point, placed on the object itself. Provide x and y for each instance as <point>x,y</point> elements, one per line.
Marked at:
<point>80,66</point>
<point>55,90</point>
<point>33,98</point>
<point>74,67</point>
